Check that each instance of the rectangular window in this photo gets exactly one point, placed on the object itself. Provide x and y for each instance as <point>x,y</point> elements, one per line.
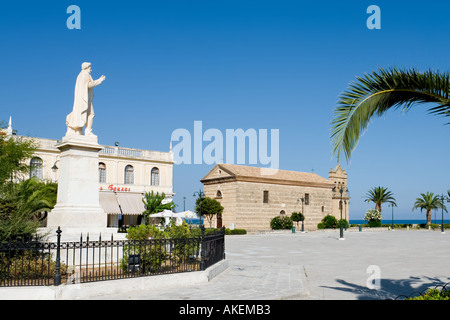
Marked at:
<point>306,198</point>
<point>266,197</point>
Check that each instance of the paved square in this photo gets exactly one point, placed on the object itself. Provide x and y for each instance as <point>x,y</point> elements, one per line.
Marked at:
<point>318,266</point>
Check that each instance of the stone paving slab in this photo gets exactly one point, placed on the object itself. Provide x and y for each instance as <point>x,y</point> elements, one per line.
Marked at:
<point>318,266</point>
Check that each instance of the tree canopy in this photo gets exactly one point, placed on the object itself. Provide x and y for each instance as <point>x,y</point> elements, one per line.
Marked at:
<point>375,93</point>
<point>208,207</point>
<point>380,195</point>
<point>14,150</point>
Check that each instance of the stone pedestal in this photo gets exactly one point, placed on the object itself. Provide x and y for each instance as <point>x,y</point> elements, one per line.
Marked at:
<point>78,207</point>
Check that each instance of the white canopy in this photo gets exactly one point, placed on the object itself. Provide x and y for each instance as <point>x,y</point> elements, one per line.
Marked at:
<point>163,214</point>
<point>186,214</point>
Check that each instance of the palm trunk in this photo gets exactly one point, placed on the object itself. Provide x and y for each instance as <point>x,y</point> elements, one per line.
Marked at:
<point>428,217</point>
<point>378,207</point>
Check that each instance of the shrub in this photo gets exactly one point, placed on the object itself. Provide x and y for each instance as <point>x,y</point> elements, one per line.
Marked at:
<point>374,223</point>
<point>433,294</point>
<point>143,232</point>
<point>281,222</point>
<point>181,250</point>
<point>344,224</point>
<point>329,221</point>
<point>29,265</point>
<point>235,231</point>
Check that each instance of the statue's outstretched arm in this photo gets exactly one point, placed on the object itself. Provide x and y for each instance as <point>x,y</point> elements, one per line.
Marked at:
<point>95,83</point>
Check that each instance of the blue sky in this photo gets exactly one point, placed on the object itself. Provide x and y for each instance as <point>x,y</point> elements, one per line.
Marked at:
<point>233,64</point>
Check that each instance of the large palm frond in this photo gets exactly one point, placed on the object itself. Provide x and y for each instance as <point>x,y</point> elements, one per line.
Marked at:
<point>376,93</point>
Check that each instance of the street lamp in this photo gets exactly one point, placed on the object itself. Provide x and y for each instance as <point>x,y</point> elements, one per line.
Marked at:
<point>442,198</point>
<point>303,213</point>
<point>345,210</point>
<point>54,167</point>
<point>200,195</point>
<point>184,203</point>
<point>392,222</point>
<point>341,204</point>
<point>341,232</point>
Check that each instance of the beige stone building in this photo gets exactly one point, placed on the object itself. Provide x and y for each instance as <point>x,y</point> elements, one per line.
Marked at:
<point>252,196</point>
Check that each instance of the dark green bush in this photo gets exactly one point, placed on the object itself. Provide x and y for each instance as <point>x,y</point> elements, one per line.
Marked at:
<point>329,221</point>
<point>374,223</point>
<point>344,223</point>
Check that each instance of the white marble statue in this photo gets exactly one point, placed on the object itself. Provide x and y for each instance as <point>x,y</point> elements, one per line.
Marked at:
<point>82,114</point>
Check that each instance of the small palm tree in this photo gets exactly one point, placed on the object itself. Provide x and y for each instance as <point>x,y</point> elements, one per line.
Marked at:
<point>153,203</point>
<point>380,195</point>
<point>428,202</point>
<point>23,204</point>
<point>374,94</point>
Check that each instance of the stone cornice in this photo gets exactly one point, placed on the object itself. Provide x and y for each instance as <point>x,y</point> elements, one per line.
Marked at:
<point>266,180</point>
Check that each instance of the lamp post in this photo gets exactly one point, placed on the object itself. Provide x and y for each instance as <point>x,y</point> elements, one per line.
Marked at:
<point>392,222</point>
<point>345,211</point>
<point>442,198</point>
<point>200,195</point>
<point>184,203</point>
<point>341,203</point>
<point>341,232</point>
<point>303,213</point>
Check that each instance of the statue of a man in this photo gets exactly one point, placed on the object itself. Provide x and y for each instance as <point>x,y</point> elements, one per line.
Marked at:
<point>82,114</point>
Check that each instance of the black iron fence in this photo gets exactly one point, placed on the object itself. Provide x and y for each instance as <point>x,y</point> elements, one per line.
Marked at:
<point>35,263</point>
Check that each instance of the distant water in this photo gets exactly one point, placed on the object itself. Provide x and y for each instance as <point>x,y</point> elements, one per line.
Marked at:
<point>412,221</point>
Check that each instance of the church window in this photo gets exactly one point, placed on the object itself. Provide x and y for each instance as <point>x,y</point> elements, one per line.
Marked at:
<point>306,198</point>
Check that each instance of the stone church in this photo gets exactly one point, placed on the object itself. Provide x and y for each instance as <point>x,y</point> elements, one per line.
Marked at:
<point>252,196</point>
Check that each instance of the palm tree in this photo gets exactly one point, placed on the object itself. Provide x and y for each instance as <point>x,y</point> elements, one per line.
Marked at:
<point>380,195</point>
<point>153,203</point>
<point>23,204</point>
<point>374,94</point>
<point>428,202</point>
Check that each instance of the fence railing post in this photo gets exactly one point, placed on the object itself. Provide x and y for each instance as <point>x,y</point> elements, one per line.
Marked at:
<point>202,251</point>
<point>223,242</point>
<point>57,277</point>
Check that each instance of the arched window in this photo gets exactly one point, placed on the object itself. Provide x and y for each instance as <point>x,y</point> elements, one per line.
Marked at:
<point>129,175</point>
<point>219,194</point>
<point>154,177</point>
<point>36,168</point>
<point>282,213</point>
<point>101,172</point>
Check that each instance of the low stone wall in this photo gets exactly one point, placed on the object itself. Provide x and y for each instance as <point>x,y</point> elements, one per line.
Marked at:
<point>122,286</point>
